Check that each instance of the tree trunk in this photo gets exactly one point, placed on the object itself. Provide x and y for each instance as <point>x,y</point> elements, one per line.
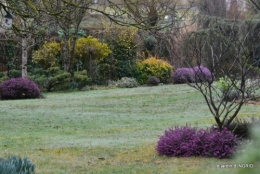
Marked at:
<point>24,57</point>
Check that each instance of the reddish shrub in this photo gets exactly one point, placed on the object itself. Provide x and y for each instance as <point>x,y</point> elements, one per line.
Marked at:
<point>19,88</point>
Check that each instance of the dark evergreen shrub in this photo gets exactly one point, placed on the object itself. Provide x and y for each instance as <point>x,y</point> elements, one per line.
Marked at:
<point>57,79</point>
<point>81,79</point>
<point>19,88</point>
<point>16,165</point>
<point>13,73</point>
<point>187,141</point>
<point>153,81</point>
<point>241,127</point>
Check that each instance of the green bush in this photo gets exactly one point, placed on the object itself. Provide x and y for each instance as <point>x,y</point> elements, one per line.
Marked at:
<point>38,75</point>
<point>16,165</point>
<point>122,61</point>
<point>81,79</point>
<point>13,73</point>
<point>228,89</point>
<point>57,79</point>
<point>154,67</point>
<point>3,77</point>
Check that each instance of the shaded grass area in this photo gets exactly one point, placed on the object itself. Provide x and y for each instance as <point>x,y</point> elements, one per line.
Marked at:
<point>105,131</point>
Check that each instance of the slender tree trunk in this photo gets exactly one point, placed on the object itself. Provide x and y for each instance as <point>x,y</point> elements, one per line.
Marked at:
<point>24,57</point>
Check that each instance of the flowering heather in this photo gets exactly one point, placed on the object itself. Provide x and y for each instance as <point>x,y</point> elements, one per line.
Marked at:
<point>202,74</point>
<point>192,75</point>
<point>186,141</point>
<point>19,88</point>
<point>183,75</point>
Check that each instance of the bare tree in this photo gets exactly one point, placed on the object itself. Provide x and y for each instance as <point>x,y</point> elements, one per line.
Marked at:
<point>255,3</point>
<point>213,8</point>
<point>24,13</point>
<point>146,14</point>
<point>231,51</point>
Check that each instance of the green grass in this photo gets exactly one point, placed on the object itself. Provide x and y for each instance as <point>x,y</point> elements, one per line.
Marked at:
<point>105,131</point>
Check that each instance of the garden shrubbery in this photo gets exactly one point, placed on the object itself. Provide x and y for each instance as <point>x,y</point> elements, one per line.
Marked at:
<point>153,81</point>
<point>154,67</point>
<point>192,75</point>
<point>241,127</point>
<point>81,79</point>
<point>19,88</point>
<point>187,141</point>
<point>127,82</point>
<point>16,165</point>
<point>3,77</point>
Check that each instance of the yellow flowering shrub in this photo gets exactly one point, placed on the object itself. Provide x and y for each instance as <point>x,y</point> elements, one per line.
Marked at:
<point>154,67</point>
<point>48,55</point>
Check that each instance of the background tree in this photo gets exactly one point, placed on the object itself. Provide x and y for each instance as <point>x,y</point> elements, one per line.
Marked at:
<point>231,51</point>
<point>213,8</point>
<point>24,13</point>
<point>146,14</point>
<point>68,15</point>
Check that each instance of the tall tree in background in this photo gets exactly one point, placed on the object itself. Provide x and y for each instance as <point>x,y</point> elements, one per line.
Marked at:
<point>146,14</point>
<point>68,15</point>
<point>213,7</point>
<point>24,12</point>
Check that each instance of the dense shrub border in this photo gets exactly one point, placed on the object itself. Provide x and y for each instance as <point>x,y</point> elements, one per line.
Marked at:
<point>19,88</point>
<point>188,141</point>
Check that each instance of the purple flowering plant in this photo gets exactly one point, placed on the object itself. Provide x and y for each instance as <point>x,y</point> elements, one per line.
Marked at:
<point>190,141</point>
<point>192,75</point>
<point>19,88</point>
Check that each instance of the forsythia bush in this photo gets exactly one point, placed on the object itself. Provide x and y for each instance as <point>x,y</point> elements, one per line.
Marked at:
<point>47,55</point>
<point>154,67</point>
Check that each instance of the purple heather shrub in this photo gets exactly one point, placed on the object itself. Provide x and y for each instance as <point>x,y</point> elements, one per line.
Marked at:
<point>191,75</point>
<point>19,88</point>
<point>153,81</point>
<point>187,141</point>
<point>183,75</point>
<point>180,141</point>
<point>218,144</point>
<point>202,74</point>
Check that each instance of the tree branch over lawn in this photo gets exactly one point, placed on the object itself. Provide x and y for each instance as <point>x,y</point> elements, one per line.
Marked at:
<point>146,15</point>
<point>231,51</point>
